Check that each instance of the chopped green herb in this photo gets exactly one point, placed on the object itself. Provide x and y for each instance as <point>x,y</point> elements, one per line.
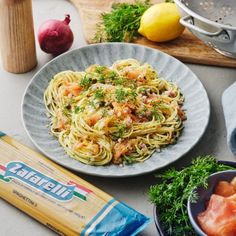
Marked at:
<point>79,109</point>
<point>99,93</point>
<point>142,90</point>
<point>128,159</point>
<point>132,95</point>
<point>175,187</point>
<point>115,78</point>
<point>86,81</point>
<point>142,112</point>
<point>119,80</point>
<point>104,112</point>
<point>113,75</point>
<point>101,79</point>
<point>156,114</point>
<point>100,69</point>
<point>92,104</point>
<point>121,129</point>
<point>120,94</point>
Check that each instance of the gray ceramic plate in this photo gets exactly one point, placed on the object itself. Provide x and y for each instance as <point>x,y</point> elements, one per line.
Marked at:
<point>196,104</point>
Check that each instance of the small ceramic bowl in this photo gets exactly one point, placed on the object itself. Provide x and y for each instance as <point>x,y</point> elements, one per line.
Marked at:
<point>204,195</point>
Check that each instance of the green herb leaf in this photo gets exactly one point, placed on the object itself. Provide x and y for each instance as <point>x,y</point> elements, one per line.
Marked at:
<point>156,114</point>
<point>86,81</point>
<point>120,94</point>
<point>128,159</point>
<point>101,79</point>
<point>105,112</point>
<point>99,94</point>
<point>92,104</point>
<point>132,95</point>
<point>119,80</point>
<point>100,69</point>
<point>113,75</point>
<point>79,109</point>
<point>120,130</point>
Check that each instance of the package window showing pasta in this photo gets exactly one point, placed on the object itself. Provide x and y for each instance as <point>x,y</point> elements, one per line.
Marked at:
<point>59,199</point>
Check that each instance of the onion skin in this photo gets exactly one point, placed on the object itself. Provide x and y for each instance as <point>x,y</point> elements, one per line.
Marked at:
<point>55,36</point>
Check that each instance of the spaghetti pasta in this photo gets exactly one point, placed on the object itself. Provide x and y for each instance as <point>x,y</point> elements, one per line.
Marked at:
<point>118,114</point>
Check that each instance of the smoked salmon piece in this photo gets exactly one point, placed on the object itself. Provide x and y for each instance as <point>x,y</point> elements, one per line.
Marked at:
<point>233,182</point>
<point>219,219</point>
<point>224,189</point>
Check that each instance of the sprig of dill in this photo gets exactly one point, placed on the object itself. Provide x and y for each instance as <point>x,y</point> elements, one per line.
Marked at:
<point>99,94</point>
<point>79,109</point>
<point>123,95</point>
<point>120,94</point>
<point>86,81</point>
<point>122,23</point>
<point>120,130</point>
<point>171,195</point>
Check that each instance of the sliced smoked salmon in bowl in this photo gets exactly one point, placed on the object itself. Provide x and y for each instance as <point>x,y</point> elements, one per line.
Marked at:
<point>214,211</point>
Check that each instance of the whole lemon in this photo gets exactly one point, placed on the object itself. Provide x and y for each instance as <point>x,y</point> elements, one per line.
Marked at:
<point>160,22</point>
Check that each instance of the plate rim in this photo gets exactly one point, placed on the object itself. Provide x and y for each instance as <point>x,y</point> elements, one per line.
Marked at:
<point>114,175</point>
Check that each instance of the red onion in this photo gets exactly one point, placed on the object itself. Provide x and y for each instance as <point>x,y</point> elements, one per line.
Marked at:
<point>55,36</point>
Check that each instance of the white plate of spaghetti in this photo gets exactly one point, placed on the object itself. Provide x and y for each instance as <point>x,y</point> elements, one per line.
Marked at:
<point>115,109</point>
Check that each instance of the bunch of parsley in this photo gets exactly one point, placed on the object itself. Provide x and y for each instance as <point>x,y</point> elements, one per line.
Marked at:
<point>171,194</point>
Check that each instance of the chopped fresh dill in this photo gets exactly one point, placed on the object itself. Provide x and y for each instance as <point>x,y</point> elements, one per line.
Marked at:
<point>115,78</point>
<point>123,95</point>
<point>156,114</point>
<point>120,130</point>
<point>79,109</point>
<point>99,93</point>
<point>101,79</point>
<point>128,159</point>
<point>142,112</point>
<point>113,75</point>
<point>120,94</point>
<point>104,112</point>
<point>143,90</point>
<point>86,81</point>
<point>92,104</point>
<point>132,95</point>
<point>100,69</point>
<point>119,81</point>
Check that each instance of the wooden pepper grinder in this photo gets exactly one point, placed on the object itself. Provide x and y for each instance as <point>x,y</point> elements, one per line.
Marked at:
<point>17,41</point>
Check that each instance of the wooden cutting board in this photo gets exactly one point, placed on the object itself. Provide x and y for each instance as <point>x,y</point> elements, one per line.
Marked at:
<point>186,48</point>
